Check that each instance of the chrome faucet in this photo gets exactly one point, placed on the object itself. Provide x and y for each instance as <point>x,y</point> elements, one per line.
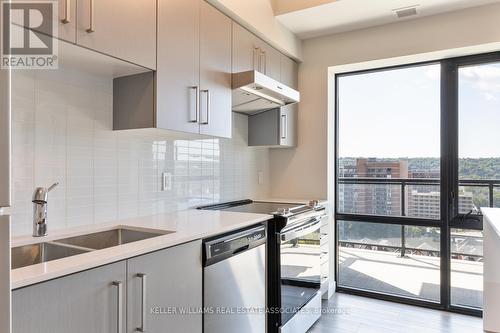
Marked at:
<point>40,197</point>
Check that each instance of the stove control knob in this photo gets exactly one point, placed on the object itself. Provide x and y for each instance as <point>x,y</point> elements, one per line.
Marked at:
<point>313,203</point>
<point>283,211</point>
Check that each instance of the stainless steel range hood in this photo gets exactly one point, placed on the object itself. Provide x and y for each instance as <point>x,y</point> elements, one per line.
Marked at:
<point>254,92</point>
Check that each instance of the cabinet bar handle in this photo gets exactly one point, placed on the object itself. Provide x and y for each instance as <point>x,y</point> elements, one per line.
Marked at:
<point>256,59</point>
<point>119,322</point>
<point>143,278</point>
<point>197,104</point>
<point>67,12</point>
<point>206,122</point>
<point>264,62</point>
<point>91,18</point>
<point>284,128</point>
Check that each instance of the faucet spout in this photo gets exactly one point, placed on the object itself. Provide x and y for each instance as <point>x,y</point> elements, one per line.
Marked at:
<point>40,199</point>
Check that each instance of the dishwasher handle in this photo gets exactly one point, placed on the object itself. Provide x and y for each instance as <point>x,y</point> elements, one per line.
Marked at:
<point>233,244</point>
<point>241,249</point>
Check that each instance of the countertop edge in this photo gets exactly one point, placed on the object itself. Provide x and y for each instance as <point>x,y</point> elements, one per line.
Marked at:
<point>492,217</point>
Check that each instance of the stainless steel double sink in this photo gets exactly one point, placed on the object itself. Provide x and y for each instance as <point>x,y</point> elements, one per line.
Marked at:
<point>66,247</point>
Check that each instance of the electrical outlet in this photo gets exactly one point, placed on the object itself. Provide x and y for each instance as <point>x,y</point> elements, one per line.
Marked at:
<point>260,177</point>
<point>166,183</point>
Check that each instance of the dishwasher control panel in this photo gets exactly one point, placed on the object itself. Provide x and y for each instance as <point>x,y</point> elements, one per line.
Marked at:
<point>233,243</point>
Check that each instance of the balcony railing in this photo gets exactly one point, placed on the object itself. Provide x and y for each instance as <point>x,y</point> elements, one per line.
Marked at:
<point>403,183</point>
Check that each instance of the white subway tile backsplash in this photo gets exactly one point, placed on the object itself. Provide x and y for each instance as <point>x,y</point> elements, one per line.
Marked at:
<point>62,131</point>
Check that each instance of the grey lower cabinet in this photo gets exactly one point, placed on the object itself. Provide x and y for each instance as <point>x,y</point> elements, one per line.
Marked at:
<point>139,293</point>
<point>91,301</point>
<point>163,284</point>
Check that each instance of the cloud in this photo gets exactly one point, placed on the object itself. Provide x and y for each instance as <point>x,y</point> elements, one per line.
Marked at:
<point>485,78</point>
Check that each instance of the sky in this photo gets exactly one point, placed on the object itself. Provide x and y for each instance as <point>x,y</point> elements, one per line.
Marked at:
<point>396,113</point>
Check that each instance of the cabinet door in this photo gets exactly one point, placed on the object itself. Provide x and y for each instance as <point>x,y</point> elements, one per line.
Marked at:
<point>289,72</point>
<point>67,20</point>
<point>178,75</point>
<point>215,72</point>
<point>5,137</point>
<point>246,50</point>
<point>79,303</point>
<point>271,62</point>
<point>169,280</point>
<point>64,20</point>
<point>124,29</point>
<point>4,273</point>
<point>288,125</point>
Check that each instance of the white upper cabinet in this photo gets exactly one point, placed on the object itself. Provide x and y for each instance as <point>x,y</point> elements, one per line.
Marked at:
<point>66,20</point>
<point>178,74</point>
<point>193,80</point>
<point>289,72</point>
<point>5,138</point>
<point>125,29</point>
<point>215,72</point>
<point>252,53</point>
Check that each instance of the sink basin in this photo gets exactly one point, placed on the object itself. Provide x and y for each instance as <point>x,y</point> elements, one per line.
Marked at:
<point>37,253</point>
<point>109,238</point>
<point>61,248</point>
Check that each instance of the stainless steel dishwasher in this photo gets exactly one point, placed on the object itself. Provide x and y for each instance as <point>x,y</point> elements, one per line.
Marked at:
<point>234,287</point>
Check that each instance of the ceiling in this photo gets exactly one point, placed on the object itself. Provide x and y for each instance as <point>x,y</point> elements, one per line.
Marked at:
<point>309,19</point>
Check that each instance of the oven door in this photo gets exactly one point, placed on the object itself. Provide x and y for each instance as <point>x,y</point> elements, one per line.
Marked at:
<point>300,265</point>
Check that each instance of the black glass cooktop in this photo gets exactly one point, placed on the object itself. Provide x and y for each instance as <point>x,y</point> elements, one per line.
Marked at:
<point>249,206</point>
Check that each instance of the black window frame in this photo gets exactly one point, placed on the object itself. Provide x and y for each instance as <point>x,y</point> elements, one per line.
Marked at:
<point>449,182</point>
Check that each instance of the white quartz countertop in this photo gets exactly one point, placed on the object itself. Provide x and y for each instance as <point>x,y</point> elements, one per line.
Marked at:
<point>492,216</point>
<point>186,225</point>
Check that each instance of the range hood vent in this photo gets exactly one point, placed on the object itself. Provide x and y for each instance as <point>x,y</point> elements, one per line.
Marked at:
<point>254,92</point>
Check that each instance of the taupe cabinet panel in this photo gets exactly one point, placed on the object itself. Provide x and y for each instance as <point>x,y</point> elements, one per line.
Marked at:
<point>289,72</point>
<point>252,53</point>
<point>193,86</point>
<point>275,128</point>
<point>246,53</point>
<point>271,61</point>
<point>288,125</point>
<point>125,29</point>
<point>79,303</point>
<point>173,280</point>
<point>67,20</point>
<point>64,19</point>
<point>215,74</point>
<point>178,74</point>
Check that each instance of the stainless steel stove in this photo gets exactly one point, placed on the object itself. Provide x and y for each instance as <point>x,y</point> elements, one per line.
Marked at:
<point>293,256</point>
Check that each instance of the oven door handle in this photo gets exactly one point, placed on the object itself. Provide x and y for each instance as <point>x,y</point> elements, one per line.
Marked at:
<point>300,231</point>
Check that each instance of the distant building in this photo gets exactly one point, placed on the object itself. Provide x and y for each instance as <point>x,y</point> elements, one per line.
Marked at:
<point>421,200</point>
<point>374,199</point>
<point>427,204</point>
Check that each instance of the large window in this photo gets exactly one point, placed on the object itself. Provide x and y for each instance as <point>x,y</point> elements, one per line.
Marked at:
<point>389,166</point>
<point>411,142</point>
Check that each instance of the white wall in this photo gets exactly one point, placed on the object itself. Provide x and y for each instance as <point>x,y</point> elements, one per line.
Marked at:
<point>258,17</point>
<point>302,172</point>
<point>62,131</point>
